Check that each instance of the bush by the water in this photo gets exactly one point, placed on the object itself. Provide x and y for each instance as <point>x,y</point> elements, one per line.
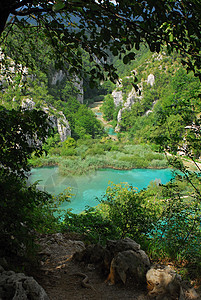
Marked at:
<point>85,156</point>
<point>164,223</point>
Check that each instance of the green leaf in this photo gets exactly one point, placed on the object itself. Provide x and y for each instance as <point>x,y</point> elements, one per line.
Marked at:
<point>171,37</point>
<point>58,6</point>
<point>131,55</point>
<point>126,59</point>
<point>137,46</point>
<point>115,52</point>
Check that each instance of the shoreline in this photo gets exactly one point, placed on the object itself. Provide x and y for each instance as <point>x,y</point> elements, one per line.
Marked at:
<point>103,167</point>
<point>191,167</point>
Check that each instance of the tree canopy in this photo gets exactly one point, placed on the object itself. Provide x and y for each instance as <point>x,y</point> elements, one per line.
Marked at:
<point>99,26</point>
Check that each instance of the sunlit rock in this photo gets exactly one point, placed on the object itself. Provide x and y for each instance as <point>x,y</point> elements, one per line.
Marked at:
<point>151,79</point>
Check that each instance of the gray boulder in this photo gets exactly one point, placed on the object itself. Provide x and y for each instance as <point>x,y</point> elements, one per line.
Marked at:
<point>120,259</point>
<point>164,283</point>
<point>128,261</point>
<point>18,286</point>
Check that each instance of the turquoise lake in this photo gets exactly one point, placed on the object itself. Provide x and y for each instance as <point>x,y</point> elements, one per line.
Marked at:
<point>110,131</point>
<point>87,188</point>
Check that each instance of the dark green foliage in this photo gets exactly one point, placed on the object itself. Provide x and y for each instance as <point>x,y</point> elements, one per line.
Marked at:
<point>177,233</point>
<point>130,212</point>
<point>21,206</point>
<point>51,143</point>
<point>97,94</point>
<point>108,107</point>
<point>166,109</point>
<point>86,124</point>
<point>105,27</point>
<point>176,118</point>
<point>21,133</point>
<point>18,213</point>
<point>94,225</point>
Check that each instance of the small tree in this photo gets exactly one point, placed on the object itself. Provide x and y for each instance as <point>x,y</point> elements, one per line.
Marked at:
<point>129,211</point>
<point>21,133</point>
<point>108,107</point>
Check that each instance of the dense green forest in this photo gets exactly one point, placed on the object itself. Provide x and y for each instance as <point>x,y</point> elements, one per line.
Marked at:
<point>158,125</point>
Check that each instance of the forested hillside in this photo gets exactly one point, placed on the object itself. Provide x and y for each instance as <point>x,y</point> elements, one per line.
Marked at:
<point>46,86</point>
<point>145,103</point>
<point>156,100</point>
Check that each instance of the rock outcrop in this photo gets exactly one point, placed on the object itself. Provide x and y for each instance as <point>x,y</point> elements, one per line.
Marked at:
<point>57,243</point>
<point>78,83</point>
<point>123,260</point>
<point>60,75</point>
<point>151,79</point>
<point>119,260</point>
<point>60,122</point>
<point>128,260</point>
<point>134,96</point>
<point>118,97</point>
<point>9,69</point>
<point>63,127</point>
<point>164,284</point>
<point>18,286</point>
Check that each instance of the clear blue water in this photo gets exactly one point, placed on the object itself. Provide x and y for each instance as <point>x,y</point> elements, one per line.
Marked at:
<point>110,131</point>
<point>87,188</point>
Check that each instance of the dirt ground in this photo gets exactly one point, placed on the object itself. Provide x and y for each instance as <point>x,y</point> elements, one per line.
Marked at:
<point>60,275</point>
<point>63,278</point>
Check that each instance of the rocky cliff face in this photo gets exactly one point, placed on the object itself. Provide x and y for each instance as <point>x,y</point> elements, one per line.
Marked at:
<point>60,122</point>
<point>78,83</point>
<point>60,75</point>
<point>136,94</point>
<point>57,76</point>
<point>9,70</point>
<point>151,79</point>
<point>63,127</point>
<point>117,95</point>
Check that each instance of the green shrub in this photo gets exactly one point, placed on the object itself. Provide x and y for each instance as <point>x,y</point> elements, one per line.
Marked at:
<point>69,143</point>
<point>68,152</point>
<point>55,151</point>
<point>95,227</point>
<point>155,163</point>
<point>114,148</point>
<point>129,211</point>
<point>97,149</point>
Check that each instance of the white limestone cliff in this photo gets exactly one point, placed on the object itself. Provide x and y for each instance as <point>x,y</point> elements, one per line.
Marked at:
<point>60,75</point>
<point>60,122</point>
<point>151,79</point>
<point>136,94</point>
